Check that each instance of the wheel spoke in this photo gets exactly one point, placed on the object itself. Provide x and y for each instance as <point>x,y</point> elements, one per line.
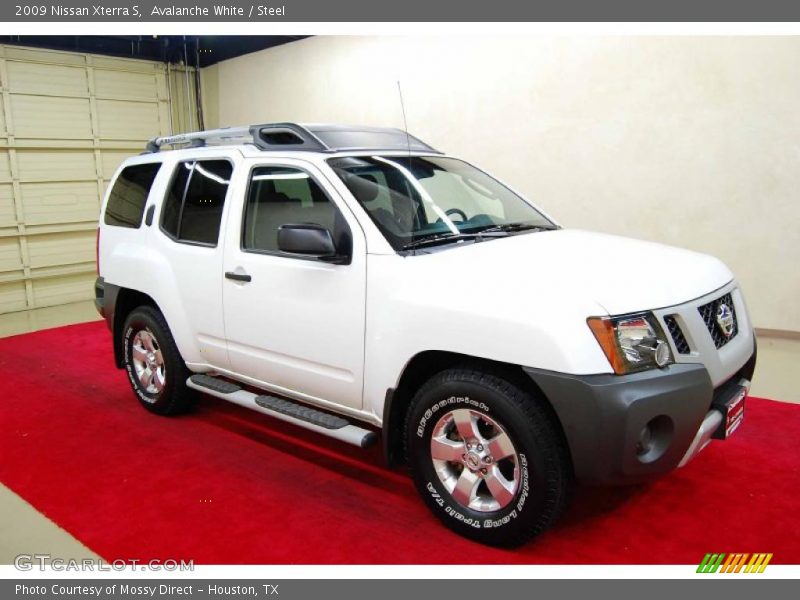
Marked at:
<point>147,340</point>
<point>500,447</point>
<point>501,489</point>
<point>465,488</point>
<point>466,424</point>
<point>159,379</point>
<point>147,377</point>
<point>139,354</point>
<point>444,449</point>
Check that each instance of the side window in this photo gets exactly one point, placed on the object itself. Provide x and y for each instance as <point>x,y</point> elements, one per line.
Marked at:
<point>128,196</point>
<point>193,207</point>
<point>283,195</point>
<point>170,213</point>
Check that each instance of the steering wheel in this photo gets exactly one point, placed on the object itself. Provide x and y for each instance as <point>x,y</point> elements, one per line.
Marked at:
<point>457,211</point>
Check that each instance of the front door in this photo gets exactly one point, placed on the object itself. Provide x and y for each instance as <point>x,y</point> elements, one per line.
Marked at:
<point>294,323</point>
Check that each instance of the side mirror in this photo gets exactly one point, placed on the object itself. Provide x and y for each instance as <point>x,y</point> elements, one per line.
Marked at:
<point>309,239</point>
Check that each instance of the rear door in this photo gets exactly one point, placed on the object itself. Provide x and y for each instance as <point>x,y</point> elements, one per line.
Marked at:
<point>298,324</point>
<point>191,222</point>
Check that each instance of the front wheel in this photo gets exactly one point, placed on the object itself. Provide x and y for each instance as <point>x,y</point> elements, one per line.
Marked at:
<point>487,457</point>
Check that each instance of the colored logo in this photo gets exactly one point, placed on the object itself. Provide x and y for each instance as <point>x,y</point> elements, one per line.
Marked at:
<point>725,320</point>
<point>734,563</point>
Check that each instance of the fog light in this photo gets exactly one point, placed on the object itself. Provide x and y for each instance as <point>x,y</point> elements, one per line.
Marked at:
<point>645,440</point>
<point>654,439</point>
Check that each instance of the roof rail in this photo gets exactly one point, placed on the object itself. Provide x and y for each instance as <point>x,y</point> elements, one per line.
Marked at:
<point>197,138</point>
<point>293,136</point>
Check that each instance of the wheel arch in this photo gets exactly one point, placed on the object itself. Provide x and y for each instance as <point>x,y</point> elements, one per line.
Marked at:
<point>425,365</point>
<point>126,301</point>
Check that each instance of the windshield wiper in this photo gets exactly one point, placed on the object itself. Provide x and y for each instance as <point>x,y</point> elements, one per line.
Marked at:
<point>513,227</point>
<point>447,237</point>
<point>493,231</point>
<point>438,238</point>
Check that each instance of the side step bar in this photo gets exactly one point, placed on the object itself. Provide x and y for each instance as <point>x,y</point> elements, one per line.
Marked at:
<point>286,410</point>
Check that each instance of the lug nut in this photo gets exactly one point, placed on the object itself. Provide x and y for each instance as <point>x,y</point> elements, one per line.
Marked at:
<point>484,471</point>
<point>487,459</point>
<point>480,448</point>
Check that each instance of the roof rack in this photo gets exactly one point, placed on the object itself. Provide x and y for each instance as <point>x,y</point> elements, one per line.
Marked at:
<point>294,136</point>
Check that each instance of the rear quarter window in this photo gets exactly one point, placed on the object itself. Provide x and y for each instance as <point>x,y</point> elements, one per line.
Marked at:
<point>128,196</point>
<point>193,207</point>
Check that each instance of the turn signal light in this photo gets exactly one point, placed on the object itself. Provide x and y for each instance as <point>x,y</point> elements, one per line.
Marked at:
<point>606,334</point>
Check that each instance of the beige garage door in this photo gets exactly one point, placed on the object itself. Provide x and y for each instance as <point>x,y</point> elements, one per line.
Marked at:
<point>67,120</point>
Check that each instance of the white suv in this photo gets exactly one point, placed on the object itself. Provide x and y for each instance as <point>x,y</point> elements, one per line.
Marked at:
<point>358,283</point>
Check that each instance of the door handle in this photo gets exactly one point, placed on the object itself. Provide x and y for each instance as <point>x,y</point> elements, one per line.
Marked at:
<point>238,276</point>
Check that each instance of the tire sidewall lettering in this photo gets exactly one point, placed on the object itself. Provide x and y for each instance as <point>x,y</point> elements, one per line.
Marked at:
<point>525,482</point>
<point>464,400</point>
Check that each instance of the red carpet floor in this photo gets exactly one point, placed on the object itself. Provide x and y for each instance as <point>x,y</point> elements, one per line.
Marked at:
<point>224,485</point>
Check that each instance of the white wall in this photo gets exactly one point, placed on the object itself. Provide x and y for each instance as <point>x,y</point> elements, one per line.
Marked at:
<point>692,141</point>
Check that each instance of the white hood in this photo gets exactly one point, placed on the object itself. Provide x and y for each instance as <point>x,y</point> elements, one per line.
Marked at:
<point>621,275</point>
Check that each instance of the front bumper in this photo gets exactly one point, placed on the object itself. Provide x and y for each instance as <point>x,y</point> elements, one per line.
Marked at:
<point>603,417</point>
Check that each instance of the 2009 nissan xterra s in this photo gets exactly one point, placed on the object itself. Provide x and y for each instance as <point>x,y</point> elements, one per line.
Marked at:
<point>358,283</point>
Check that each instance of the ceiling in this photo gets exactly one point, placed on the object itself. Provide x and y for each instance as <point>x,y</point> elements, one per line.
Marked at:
<point>203,50</point>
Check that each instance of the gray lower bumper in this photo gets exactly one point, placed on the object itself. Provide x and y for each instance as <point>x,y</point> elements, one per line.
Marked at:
<point>702,438</point>
<point>719,422</point>
<point>632,428</point>
<point>99,296</point>
<point>105,300</point>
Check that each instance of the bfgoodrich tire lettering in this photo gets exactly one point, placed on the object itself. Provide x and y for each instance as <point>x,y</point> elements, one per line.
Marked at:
<point>155,369</point>
<point>499,427</point>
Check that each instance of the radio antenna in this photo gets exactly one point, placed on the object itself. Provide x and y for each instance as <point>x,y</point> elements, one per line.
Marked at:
<point>405,122</point>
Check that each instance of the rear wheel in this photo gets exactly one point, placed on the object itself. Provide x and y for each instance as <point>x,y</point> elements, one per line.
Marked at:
<point>155,368</point>
<point>487,457</point>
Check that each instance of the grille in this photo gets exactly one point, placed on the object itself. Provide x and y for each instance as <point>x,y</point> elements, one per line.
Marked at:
<point>681,345</point>
<point>709,314</point>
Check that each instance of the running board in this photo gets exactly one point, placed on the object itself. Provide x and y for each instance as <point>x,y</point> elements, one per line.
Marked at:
<point>286,410</point>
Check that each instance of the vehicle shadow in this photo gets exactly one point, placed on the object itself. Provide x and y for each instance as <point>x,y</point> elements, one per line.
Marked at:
<point>368,466</point>
<point>590,502</point>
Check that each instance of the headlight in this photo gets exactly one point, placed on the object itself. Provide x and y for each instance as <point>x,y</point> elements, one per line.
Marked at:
<point>631,342</point>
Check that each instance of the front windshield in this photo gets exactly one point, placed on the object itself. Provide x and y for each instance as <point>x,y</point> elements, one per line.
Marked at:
<point>421,199</point>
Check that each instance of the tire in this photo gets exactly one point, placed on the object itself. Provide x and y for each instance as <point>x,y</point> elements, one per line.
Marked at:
<point>515,478</point>
<point>154,366</point>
